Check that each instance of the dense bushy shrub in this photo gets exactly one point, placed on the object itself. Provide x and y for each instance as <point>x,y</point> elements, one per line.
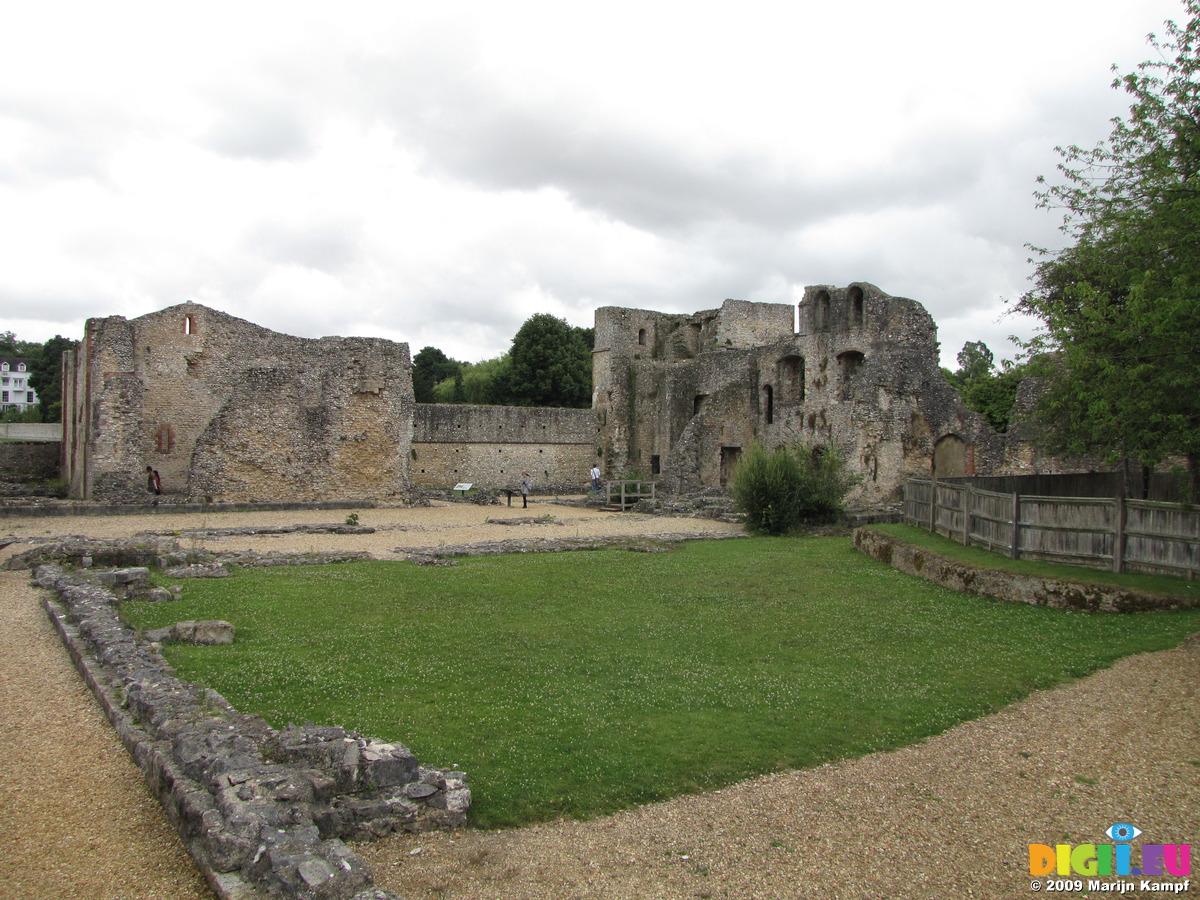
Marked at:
<point>780,490</point>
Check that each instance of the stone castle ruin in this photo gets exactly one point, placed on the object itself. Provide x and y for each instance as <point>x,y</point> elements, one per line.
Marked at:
<point>681,396</point>
<point>228,411</point>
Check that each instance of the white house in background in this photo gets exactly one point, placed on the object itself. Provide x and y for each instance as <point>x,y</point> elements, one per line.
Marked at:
<point>15,390</point>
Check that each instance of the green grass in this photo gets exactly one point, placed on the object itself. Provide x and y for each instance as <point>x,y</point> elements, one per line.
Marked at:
<point>579,683</point>
<point>977,556</point>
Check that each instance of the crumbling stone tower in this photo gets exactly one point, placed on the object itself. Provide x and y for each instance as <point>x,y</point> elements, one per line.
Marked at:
<point>228,411</point>
<point>681,396</point>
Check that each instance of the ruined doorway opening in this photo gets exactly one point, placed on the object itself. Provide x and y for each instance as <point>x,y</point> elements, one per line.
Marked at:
<point>789,372</point>
<point>821,313</point>
<point>655,464</point>
<point>730,456</point>
<point>856,307</point>
<point>848,365</point>
<point>949,457</point>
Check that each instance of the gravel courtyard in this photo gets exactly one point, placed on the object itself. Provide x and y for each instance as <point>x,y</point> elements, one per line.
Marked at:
<point>951,817</point>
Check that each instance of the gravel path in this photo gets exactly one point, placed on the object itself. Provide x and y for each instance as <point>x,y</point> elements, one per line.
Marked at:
<point>76,819</point>
<point>950,817</point>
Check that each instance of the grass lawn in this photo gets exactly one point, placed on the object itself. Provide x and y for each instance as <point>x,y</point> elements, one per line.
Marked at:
<point>579,683</point>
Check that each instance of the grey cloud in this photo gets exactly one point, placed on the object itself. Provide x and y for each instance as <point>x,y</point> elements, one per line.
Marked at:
<point>69,140</point>
<point>467,130</point>
<point>326,246</point>
<point>259,130</point>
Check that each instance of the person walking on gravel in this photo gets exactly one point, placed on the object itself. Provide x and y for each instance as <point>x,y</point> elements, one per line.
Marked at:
<point>526,487</point>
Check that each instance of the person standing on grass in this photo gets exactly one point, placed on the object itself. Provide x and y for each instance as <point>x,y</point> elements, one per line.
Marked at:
<point>526,487</point>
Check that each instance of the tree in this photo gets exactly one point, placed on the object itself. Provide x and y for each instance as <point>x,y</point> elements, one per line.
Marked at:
<point>975,360</point>
<point>45,376</point>
<point>1120,306</point>
<point>11,345</point>
<point>430,367</point>
<point>989,392</point>
<point>550,364</point>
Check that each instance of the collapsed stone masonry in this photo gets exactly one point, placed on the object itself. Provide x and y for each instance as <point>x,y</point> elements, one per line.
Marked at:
<point>263,812</point>
<point>682,396</point>
<point>228,411</point>
<point>224,409</point>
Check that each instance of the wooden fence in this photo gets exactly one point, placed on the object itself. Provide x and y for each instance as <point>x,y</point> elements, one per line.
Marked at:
<point>624,494</point>
<point>1105,533</point>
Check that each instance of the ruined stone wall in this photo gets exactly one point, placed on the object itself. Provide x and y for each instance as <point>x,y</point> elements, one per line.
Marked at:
<point>860,374</point>
<point>227,410</point>
<point>28,460</point>
<point>490,446</point>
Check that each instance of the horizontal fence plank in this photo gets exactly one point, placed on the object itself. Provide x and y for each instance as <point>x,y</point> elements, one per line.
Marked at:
<point>1100,532</point>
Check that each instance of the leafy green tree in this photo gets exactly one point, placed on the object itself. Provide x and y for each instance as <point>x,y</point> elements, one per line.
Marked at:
<point>45,376</point>
<point>480,383</point>
<point>781,490</point>
<point>1120,306</point>
<point>430,367</point>
<point>11,345</point>
<point>550,364</point>
<point>988,391</point>
<point>28,414</point>
<point>975,360</point>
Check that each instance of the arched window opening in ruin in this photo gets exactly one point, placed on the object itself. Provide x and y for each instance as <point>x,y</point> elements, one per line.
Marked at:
<point>856,307</point>
<point>848,365</point>
<point>698,404</point>
<point>189,324</point>
<point>789,372</point>
<point>821,312</point>
<point>949,457</point>
<point>641,337</point>
<point>769,403</point>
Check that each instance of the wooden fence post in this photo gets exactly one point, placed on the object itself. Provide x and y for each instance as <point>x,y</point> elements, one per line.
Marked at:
<point>966,506</point>
<point>933,504</point>
<point>1119,535</point>
<point>1016,525</point>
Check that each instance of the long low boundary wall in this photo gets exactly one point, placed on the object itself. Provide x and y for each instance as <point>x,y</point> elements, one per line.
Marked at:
<point>263,813</point>
<point>42,432</point>
<point>1001,584</point>
<point>1105,533</point>
<point>491,446</point>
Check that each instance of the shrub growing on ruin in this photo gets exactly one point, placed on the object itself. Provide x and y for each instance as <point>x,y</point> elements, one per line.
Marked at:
<point>782,489</point>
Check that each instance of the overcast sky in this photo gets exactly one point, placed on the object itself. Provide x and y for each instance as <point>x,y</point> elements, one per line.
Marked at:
<point>436,173</point>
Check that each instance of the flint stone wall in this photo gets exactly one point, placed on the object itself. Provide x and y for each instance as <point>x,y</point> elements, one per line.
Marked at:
<point>264,813</point>
<point>852,368</point>
<point>490,446</point>
<point>29,460</point>
<point>226,410</point>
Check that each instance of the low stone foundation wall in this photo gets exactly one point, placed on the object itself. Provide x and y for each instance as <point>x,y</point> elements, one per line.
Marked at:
<point>264,813</point>
<point>1011,586</point>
